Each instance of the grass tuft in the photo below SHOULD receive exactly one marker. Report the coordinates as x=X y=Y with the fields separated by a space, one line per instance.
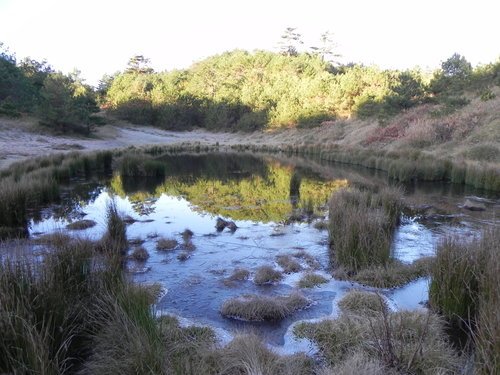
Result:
x=401 y=342
x=140 y=254
x=361 y=227
x=263 y=308
x=288 y=264
x=310 y=280
x=166 y=244
x=266 y=275
x=363 y=303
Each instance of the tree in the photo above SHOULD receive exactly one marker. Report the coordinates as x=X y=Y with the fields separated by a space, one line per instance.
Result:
x=139 y=64
x=453 y=77
x=326 y=49
x=456 y=67
x=289 y=42
x=66 y=104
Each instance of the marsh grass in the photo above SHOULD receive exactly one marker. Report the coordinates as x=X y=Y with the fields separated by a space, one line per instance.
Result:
x=239 y=274
x=391 y=275
x=361 y=227
x=37 y=182
x=139 y=254
x=266 y=275
x=310 y=280
x=137 y=164
x=464 y=288
x=115 y=237
x=246 y=354
x=288 y=264
x=263 y=308
x=401 y=342
x=166 y=244
x=363 y=303
x=310 y=260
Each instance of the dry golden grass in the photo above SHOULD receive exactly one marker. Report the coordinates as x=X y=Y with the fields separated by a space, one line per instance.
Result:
x=310 y=280
x=288 y=264
x=266 y=275
x=139 y=254
x=239 y=274
x=402 y=342
x=166 y=244
x=263 y=308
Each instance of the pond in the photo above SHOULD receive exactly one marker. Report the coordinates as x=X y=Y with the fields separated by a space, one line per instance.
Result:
x=279 y=205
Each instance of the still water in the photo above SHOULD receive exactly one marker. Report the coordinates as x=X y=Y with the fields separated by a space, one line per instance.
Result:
x=259 y=193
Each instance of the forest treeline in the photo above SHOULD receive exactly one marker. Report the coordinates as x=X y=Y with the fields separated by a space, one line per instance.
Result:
x=62 y=102
x=239 y=91
x=246 y=91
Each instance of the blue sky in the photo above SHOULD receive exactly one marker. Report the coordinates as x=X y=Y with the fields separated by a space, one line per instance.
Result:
x=99 y=36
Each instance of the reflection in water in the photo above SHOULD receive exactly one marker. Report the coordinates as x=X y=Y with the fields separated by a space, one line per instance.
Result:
x=237 y=187
x=259 y=194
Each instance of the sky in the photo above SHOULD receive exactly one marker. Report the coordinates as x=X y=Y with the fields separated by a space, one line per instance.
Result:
x=99 y=36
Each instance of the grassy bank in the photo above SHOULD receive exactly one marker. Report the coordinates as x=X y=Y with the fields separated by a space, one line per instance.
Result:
x=464 y=288
x=368 y=339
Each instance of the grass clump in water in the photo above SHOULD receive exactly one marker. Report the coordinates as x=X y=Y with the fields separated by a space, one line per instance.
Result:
x=140 y=254
x=363 y=303
x=288 y=264
x=263 y=308
x=311 y=261
x=391 y=275
x=266 y=275
x=115 y=238
x=361 y=227
x=239 y=274
x=310 y=280
x=166 y=244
